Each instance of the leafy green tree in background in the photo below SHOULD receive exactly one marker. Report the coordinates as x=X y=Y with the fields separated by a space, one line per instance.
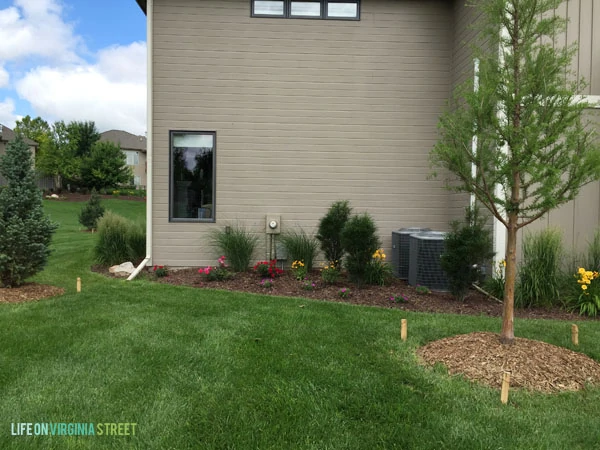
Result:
x=105 y=166
x=531 y=138
x=25 y=231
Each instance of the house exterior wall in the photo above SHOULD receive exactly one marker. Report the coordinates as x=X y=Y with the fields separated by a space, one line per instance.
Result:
x=306 y=112
x=579 y=219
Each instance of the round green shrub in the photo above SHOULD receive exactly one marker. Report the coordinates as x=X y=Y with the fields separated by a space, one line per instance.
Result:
x=359 y=240
x=330 y=229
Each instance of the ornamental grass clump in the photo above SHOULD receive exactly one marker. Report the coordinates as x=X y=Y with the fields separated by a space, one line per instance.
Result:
x=119 y=240
x=237 y=244
x=540 y=274
x=300 y=247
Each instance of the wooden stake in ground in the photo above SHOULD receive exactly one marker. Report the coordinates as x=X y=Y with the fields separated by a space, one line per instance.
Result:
x=78 y=284
x=575 y=334
x=505 y=387
x=403 y=329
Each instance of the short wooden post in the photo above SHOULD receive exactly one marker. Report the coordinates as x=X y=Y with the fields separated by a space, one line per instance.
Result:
x=505 y=387
x=78 y=284
x=575 y=334
x=403 y=329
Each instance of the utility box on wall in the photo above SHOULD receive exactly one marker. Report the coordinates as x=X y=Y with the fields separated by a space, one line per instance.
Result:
x=273 y=224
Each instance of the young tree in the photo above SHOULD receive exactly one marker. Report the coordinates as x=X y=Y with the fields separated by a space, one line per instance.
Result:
x=531 y=138
x=105 y=166
x=25 y=231
x=91 y=212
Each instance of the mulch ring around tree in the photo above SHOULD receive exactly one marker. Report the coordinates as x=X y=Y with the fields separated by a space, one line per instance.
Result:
x=29 y=292
x=534 y=365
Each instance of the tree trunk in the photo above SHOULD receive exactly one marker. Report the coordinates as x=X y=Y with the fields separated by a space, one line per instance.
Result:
x=507 y=335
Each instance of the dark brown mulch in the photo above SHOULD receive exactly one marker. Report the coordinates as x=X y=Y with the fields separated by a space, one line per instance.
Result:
x=29 y=292
x=380 y=296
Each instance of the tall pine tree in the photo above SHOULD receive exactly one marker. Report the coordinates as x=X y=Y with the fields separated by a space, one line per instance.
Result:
x=25 y=231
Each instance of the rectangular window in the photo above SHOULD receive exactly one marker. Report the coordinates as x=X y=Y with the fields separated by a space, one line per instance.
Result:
x=133 y=158
x=305 y=9
x=268 y=8
x=310 y=9
x=342 y=10
x=192 y=174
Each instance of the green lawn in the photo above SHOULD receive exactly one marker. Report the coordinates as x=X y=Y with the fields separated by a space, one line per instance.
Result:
x=208 y=369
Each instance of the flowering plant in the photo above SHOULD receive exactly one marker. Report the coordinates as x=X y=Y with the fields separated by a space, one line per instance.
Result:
x=216 y=273
x=422 y=289
x=267 y=283
x=377 y=271
x=309 y=285
x=330 y=272
x=589 y=296
x=267 y=269
x=344 y=293
x=161 y=271
x=399 y=298
x=299 y=270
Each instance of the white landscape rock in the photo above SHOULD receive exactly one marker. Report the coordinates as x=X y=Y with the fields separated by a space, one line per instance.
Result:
x=122 y=270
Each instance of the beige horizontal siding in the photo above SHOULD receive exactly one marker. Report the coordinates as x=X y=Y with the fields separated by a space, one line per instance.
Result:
x=306 y=112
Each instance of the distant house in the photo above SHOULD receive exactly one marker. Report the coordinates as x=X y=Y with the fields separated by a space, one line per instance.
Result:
x=6 y=136
x=276 y=109
x=134 y=148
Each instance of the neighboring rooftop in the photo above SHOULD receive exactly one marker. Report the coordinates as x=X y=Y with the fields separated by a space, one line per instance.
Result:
x=7 y=135
x=126 y=141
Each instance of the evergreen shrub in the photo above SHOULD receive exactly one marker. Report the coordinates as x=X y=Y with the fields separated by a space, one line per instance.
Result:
x=25 y=231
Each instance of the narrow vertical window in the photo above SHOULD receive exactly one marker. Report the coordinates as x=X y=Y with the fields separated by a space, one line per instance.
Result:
x=192 y=173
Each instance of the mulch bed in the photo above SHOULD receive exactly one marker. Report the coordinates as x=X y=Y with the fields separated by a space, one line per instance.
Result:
x=380 y=296
x=534 y=365
x=29 y=292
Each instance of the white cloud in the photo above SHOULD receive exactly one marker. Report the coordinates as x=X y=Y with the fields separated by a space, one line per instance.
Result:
x=7 y=113
x=112 y=93
x=4 y=77
x=36 y=28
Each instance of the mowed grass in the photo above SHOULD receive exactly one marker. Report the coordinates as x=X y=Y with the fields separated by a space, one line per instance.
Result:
x=201 y=369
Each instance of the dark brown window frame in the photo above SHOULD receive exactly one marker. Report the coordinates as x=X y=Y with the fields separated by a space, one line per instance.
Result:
x=287 y=10
x=172 y=217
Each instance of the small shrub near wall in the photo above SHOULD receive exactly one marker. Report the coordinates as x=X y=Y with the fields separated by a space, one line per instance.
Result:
x=330 y=229
x=468 y=248
x=360 y=242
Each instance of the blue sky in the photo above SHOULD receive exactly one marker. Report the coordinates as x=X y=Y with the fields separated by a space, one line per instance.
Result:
x=73 y=60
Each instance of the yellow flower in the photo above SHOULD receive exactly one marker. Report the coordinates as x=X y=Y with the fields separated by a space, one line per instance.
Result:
x=584 y=287
x=581 y=270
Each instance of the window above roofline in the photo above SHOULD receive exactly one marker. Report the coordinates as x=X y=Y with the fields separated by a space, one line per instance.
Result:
x=306 y=9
